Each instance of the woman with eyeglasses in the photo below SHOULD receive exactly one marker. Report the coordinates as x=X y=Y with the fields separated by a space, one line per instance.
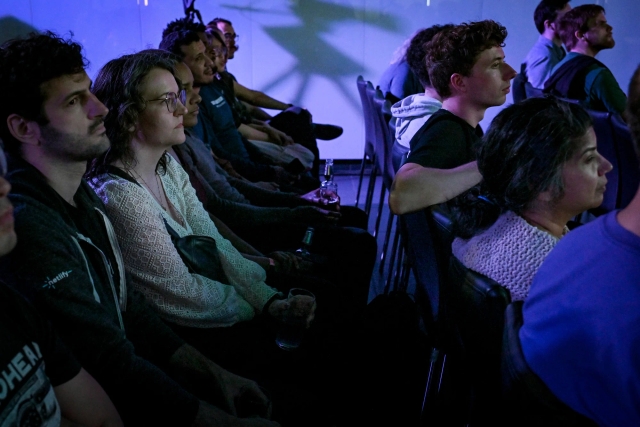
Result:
x=147 y=194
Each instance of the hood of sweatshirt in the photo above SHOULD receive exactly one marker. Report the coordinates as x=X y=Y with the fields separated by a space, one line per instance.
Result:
x=411 y=113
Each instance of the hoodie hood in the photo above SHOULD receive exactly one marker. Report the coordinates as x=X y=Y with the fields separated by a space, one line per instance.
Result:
x=411 y=113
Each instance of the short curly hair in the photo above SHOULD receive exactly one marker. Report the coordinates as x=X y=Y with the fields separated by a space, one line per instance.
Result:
x=183 y=24
x=172 y=42
x=456 y=50
x=416 y=52
x=25 y=65
x=577 y=19
x=547 y=10
x=117 y=86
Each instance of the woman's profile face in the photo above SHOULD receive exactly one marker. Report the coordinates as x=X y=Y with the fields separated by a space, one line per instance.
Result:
x=583 y=176
x=157 y=124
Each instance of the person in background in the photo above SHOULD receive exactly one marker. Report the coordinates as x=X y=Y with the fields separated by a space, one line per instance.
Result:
x=398 y=81
x=547 y=51
x=585 y=32
x=467 y=69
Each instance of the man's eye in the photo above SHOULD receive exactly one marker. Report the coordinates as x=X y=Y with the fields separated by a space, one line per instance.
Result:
x=73 y=101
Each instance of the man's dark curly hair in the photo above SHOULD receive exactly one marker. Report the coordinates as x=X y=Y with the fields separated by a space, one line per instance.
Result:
x=580 y=19
x=521 y=155
x=117 y=86
x=183 y=24
x=27 y=63
x=456 y=51
x=547 y=10
x=172 y=42
x=214 y=22
x=416 y=52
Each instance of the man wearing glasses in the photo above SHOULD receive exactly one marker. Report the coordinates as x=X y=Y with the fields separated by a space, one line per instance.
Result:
x=67 y=260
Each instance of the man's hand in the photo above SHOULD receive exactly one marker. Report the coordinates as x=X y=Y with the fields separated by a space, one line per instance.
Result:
x=282 y=176
x=289 y=263
x=315 y=215
x=296 y=309
x=326 y=199
x=210 y=416
x=271 y=186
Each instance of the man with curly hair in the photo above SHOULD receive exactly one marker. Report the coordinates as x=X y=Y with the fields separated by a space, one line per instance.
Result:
x=467 y=69
x=68 y=262
x=585 y=32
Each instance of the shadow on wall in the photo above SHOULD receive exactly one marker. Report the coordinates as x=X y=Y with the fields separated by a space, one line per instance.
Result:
x=315 y=57
x=11 y=27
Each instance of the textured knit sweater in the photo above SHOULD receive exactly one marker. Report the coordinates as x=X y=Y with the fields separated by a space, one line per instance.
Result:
x=155 y=265
x=509 y=252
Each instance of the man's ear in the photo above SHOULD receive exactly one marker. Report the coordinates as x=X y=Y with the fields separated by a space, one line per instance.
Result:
x=578 y=35
x=457 y=82
x=25 y=131
x=549 y=24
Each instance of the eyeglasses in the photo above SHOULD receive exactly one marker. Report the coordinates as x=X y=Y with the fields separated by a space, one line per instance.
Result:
x=231 y=36
x=171 y=99
x=220 y=51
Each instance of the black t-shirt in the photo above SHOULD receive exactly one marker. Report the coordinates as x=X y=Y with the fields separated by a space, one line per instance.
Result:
x=32 y=361
x=445 y=141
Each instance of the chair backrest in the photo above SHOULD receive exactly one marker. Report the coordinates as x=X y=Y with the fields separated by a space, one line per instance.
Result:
x=532 y=92
x=517 y=86
x=367 y=113
x=607 y=147
x=526 y=399
x=383 y=137
x=629 y=168
x=475 y=309
x=428 y=238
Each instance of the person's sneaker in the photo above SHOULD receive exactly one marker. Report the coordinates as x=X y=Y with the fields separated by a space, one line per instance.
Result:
x=326 y=132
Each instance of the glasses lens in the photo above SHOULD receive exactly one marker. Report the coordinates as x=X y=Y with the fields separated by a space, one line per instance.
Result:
x=182 y=96
x=172 y=101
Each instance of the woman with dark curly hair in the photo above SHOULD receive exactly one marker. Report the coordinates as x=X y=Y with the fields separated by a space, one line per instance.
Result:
x=540 y=168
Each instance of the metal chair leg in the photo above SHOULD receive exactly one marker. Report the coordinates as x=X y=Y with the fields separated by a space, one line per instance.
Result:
x=364 y=160
x=385 y=245
x=383 y=193
x=371 y=187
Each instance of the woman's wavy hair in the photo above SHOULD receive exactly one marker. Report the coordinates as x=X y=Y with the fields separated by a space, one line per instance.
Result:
x=520 y=157
x=456 y=50
x=117 y=85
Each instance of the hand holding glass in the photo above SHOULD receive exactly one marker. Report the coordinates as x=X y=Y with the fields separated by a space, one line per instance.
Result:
x=296 y=318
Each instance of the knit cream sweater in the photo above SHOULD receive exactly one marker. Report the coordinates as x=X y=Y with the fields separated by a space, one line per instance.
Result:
x=509 y=252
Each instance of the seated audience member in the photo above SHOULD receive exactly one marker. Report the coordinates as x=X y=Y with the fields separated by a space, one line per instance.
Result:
x=43 y=384
x=414 y=110
x=580 y=332
x=148 y=196
x=216 y=125
x=53 y=127
x=399 y=81
x=467 y=69
x=540 y=168
x=294 y=121
x=349 y=249
x=585 y=32
x=548 y=51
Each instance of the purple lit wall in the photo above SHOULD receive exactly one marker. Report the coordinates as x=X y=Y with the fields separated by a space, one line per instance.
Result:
x=307 y=52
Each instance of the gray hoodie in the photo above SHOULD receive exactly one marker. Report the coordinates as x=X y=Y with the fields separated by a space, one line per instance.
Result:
x=411 y=113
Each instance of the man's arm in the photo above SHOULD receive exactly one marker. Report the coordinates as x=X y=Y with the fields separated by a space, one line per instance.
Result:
x=83 y=402
x=416 y=187
x=606 y=88
x=257 y=98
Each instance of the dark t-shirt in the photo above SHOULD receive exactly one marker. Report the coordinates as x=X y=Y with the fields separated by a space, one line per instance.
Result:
x=32 y=362
x=445 y=141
